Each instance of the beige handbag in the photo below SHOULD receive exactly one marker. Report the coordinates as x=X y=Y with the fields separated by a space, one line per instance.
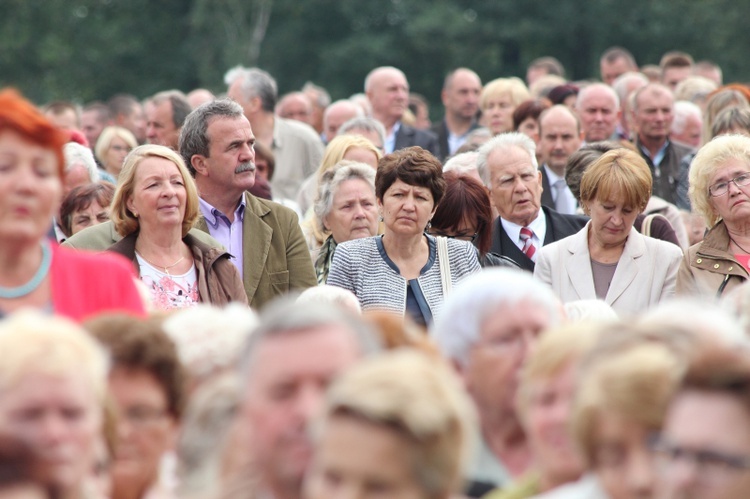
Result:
x=445 y=264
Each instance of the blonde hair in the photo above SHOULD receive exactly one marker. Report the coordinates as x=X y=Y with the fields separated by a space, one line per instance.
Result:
x=420 y=398
x=632 y=373
x=110 y=133
x=124 y=220
x=35 y=343
x=709 y=158
x=555 y=350
x=512 y=86
x=617 y=174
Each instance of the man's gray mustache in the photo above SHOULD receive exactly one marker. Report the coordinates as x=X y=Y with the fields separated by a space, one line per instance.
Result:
x=245 y=167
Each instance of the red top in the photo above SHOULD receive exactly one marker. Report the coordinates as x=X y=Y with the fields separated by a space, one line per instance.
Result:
x=85 y=284
x=743 y=260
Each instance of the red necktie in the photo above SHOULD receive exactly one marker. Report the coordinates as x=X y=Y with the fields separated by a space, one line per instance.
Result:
x=528 y=247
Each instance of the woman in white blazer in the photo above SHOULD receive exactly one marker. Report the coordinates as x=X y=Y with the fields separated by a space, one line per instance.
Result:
x=608 y=259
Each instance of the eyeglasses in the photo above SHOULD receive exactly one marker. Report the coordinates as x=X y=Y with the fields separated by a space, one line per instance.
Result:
x=461 y=236
x=721 y=188
x=141 y=416
x=709 y=464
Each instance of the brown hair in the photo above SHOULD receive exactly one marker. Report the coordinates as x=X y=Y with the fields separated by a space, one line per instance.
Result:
x=618 y=173
x=531 y=108
x=465 y=198
x=142 y=345
x=81 y=198
x=414 y=166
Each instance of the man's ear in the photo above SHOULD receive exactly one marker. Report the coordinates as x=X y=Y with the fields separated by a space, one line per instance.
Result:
x=198 y=162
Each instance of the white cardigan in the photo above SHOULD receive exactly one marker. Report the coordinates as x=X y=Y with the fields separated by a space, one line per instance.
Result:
x=646 y=272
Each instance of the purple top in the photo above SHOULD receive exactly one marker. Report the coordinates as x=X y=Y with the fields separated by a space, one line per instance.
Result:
x=229 y=234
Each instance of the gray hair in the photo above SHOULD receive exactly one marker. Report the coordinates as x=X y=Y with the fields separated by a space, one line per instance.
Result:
x=322 y=97
x=206 y=432
x=331 y=180
x=463 y=163
x=457 y=329
x=181 y=108
x=76 y=154
x=284 y=316
x=365 y=124
x=255 y=83
x=504 y=141
x=371 y=74
x=682 y=111
x=194 y=137
x=343 y=103
x=621 y=84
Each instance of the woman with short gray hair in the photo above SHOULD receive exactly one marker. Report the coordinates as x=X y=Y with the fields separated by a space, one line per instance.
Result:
x=346 y=208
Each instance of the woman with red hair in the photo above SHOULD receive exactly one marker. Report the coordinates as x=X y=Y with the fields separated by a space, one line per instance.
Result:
x=34 y=271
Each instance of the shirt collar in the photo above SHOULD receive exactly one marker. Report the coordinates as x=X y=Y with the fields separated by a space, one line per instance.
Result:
x=212 y=215
x=538 y=226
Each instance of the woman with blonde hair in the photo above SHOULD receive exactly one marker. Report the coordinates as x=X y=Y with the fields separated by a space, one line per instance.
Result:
x=720 y=192
x=608 y=259
x=155 y=205
x=112 y=146
x=350 y=147
x=53 y=380
x=411 y=414
x=498 y=100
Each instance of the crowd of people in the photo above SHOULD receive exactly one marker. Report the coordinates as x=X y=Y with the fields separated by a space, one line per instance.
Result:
x=542 y=294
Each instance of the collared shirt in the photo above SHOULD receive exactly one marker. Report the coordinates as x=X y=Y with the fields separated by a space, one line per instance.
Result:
x=657 y=158
x=571 y=201
x=229 y=234
x=538 y=227
x=456 y=141
x=390 y=140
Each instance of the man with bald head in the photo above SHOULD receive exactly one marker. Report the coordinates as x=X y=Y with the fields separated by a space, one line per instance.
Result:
x=598 y=108
x=460 y=97
x=295 y=106
x=337 y=114
x=559 y=137
x=653 y=112
x=388 y=92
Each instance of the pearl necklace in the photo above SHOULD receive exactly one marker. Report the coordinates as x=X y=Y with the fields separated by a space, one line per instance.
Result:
x=36 y=279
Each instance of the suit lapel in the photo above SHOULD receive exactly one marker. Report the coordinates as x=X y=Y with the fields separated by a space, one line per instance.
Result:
x=403 y=137
x=627 y=267
x=503 y=245
x=578 y=265
x=546 y=189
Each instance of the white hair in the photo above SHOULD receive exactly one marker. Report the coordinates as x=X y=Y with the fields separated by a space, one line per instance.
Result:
x=589 y=310
x=464 y=163
x=331 y=295
x=703 y=317
x=76 y=154
x=458 y=327
x=504 y=141
x=208 y=338
x=682 y=111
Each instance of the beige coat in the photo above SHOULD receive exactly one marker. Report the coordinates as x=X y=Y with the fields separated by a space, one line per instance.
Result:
x=646 y=272
x=709 y=267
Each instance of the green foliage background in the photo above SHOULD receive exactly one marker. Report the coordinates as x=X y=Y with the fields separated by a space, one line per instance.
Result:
x=91 y=49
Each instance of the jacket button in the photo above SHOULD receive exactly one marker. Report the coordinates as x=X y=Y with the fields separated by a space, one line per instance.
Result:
x=730 y=269
x=716 y=266
x=699 y=260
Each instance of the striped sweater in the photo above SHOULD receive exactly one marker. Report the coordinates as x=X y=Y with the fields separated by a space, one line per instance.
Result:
x=360 y=267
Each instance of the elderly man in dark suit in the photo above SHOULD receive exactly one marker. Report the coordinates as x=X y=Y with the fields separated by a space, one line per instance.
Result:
x=515 y=182
x=388 y=92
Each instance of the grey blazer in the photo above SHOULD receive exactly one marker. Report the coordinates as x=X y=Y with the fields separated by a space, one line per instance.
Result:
x=645 y=275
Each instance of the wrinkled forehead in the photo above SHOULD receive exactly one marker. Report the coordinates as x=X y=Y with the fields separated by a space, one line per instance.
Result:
x=511 y=160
